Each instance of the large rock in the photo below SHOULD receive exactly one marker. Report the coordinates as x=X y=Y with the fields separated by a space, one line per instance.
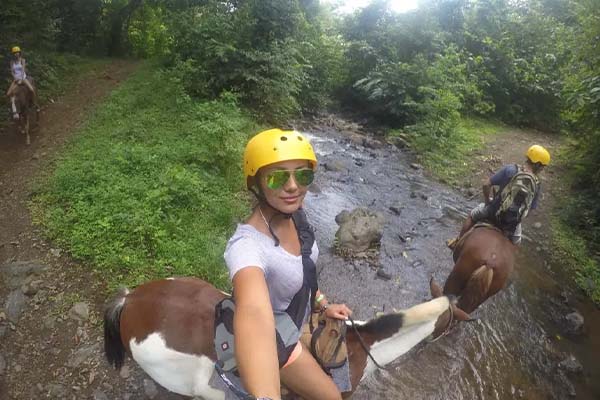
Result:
x=574 y=323
x=15 y=274
x=359 y=229
x=15 y=304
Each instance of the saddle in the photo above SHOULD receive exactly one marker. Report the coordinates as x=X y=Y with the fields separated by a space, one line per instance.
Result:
x=456 y=245
x=326 y=339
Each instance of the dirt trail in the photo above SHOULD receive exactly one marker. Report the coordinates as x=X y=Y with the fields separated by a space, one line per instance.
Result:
x=510 y=147
x=50 y=326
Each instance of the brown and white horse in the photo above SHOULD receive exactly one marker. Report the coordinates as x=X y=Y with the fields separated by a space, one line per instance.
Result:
x=483 y=261
x=21 y=102
x=167 y=327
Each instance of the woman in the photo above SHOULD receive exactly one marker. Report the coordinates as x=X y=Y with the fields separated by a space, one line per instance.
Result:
x=19 y=73
x=266 y=268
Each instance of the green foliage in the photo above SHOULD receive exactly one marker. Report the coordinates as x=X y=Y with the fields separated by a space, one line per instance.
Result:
x=151 y=185
x=452 y=158
x=148 y=34
x=572 y=251
x=266 y=51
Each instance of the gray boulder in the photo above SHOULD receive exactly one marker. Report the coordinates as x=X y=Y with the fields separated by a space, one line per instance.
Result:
x=359 y=229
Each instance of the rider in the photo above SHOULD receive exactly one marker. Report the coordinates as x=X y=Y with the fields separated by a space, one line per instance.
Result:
x=537 y=158
x=265 y=264
x=18 y=71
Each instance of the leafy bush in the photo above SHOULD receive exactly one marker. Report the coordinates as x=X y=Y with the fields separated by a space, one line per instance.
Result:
x=151 y=185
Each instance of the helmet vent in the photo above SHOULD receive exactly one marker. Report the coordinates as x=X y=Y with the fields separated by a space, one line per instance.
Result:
x=283 y=138
x=299 y=138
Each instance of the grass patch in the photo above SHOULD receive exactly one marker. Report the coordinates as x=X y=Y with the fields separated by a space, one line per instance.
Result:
x=572 y=234
x=151 y=186
x=572 y=252
x=450 y=159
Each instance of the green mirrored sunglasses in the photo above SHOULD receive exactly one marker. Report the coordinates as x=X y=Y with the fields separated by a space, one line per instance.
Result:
x=303 y=177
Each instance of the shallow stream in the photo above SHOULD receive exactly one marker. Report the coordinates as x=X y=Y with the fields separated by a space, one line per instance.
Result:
x=512 y=351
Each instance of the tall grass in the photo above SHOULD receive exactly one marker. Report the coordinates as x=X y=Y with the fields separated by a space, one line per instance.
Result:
x=152 y=185
x=450 y=159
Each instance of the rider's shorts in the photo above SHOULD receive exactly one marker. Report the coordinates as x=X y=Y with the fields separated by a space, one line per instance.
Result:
x=482 y=212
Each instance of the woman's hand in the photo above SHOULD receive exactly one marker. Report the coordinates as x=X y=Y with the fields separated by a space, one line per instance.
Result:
x=338 y=311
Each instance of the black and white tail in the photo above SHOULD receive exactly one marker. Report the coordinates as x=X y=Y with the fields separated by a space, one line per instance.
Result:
x=113 y=345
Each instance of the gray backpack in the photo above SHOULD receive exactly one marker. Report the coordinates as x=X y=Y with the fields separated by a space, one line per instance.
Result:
x=515 y=199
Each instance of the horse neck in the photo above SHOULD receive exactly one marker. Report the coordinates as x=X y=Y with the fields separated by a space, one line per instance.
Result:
x=384 y=340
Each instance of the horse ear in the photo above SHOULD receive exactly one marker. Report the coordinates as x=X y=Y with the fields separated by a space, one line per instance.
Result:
x=460 y=314
x=435 y=289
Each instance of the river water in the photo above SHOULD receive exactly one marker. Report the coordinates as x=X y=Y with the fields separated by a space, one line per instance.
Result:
x=514 y=348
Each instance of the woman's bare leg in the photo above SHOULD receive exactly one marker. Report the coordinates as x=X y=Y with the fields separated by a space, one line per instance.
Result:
x=306 y=378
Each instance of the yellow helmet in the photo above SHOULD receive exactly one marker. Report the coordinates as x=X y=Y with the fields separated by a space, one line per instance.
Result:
x=275 y=145
x=538 y=154
x=15 y=49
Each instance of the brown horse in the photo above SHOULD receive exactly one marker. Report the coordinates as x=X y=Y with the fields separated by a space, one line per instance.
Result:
x=167 y=327
x=21 y=105
x=484 y=259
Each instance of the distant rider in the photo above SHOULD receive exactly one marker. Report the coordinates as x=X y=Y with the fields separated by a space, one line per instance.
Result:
x=18 y=71
x=519 y=190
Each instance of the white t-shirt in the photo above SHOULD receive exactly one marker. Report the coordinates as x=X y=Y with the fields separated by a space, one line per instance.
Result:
x=283 y=271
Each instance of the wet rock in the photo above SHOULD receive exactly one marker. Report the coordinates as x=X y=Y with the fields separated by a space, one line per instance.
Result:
x=2 y=365
x=359 y=229
x=571 y=365
x=416 y=166
x=357 y=140
x=396 y=209
x=80 y=312
x=372 y=143
x=314 y=188
x=399 y=142
x=537 y=225
x=383 y=275
x=15 y=304
x=150 y=389
x=334 y=166
x=574 y=323
x=81 y=355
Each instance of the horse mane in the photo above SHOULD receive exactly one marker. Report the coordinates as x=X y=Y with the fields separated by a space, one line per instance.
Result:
x=387 y=324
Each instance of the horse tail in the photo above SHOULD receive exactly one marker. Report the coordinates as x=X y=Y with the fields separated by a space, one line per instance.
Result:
x=477 y=289
x=113 y=345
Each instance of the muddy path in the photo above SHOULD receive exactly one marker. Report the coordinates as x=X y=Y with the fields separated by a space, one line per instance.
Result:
x=51 y=332
x=50 y=328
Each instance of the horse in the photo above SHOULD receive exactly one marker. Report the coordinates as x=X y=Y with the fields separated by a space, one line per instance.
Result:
x=483 y=261
x=21 y=103
x=167 y=327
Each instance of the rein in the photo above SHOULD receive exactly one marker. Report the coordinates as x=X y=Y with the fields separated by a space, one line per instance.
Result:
x=364 y=346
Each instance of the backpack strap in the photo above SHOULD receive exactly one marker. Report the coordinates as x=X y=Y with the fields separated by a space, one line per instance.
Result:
x=306 y=235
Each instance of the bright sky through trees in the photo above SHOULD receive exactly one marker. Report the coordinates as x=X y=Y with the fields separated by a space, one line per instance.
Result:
x=346 y=6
